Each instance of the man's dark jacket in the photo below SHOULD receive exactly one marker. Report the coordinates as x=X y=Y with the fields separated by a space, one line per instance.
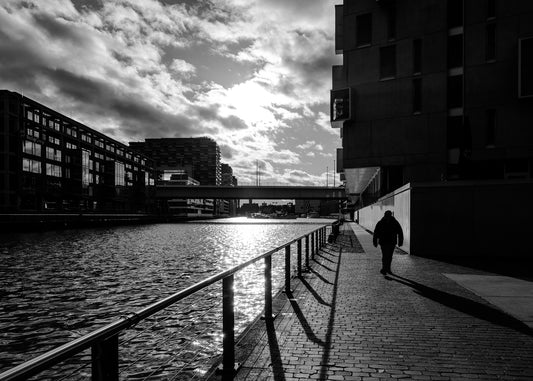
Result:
x=388 y=232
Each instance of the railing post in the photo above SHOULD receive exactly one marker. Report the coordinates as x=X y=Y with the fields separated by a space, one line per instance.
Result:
x=228 y=320
x=104 y=357
x=287 y=269
x=299 y=248
x=307 y=252
x=268 y=287
x=313 y=245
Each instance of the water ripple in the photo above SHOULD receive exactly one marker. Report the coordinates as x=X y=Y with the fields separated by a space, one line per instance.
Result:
x=56 y=286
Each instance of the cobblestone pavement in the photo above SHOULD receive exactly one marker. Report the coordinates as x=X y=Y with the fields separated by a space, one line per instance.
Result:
x=345 y=321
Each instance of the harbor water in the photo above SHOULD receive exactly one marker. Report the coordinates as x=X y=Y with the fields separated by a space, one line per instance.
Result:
x=56 y=286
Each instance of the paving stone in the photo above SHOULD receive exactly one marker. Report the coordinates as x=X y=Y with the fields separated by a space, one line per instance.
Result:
x=345 y=321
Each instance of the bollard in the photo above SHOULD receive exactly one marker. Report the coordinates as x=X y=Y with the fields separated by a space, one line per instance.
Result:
x=104 y=357
x=287 y=269
x=268 y=287
x=299 y=257
x=228 y=338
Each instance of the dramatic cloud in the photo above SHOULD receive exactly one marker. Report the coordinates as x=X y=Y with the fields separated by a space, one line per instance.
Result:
x=254 y=75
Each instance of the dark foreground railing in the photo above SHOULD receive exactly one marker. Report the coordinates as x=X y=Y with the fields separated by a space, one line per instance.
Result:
x=104 y=342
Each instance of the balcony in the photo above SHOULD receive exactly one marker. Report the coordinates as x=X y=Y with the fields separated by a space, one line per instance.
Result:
x=340 y=107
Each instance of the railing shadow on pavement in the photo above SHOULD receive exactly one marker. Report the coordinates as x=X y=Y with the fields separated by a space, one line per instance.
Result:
x=327 y=342
x=275 y=354
x=318 y=275
x=313 y=292
x=465 y=305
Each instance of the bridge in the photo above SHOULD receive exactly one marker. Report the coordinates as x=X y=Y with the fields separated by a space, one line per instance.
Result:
x=168 y=191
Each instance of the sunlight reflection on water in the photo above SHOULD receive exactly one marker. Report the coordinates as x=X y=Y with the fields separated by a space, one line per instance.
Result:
x=56 y=286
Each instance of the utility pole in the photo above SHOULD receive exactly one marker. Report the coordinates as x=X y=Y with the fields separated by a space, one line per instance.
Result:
x=334 y=173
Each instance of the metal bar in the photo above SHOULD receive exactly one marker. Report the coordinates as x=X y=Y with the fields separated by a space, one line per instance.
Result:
x=228 y=320
x=268 y=287
x=104 y=357
x=299 y=257
x=307 y=251
x=287 y=269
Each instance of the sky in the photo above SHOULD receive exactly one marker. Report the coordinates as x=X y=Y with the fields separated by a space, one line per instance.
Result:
x=254 y=75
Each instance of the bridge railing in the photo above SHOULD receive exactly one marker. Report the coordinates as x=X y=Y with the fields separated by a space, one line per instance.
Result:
x=104 y=342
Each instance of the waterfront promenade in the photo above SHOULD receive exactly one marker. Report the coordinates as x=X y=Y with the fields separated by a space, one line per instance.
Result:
x=345 y=321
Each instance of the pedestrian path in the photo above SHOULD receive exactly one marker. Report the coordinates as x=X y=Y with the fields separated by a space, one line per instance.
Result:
x=345 y=321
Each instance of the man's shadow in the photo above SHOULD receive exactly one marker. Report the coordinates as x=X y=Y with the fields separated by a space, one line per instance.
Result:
x=465 y=305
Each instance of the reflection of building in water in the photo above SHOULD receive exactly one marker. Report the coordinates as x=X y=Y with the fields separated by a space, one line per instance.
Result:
x=52 y=162
x=186 y=207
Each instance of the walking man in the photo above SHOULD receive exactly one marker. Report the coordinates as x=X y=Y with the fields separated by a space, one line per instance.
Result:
x=387 y=233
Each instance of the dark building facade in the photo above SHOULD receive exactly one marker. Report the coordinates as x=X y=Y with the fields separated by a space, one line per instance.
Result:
x=198 y=157
x=229 y=207
x=50 y=162
x=432 y=90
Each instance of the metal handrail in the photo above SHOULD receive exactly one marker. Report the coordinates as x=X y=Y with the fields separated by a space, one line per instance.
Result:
x=110 y=331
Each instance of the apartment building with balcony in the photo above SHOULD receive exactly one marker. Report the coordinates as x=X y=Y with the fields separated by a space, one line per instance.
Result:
x=50 y=162
x=435 y=92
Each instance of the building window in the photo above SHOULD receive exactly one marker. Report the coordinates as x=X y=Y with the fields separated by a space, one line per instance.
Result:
x=417 y=56
x=490 y=42
x=364 y=29
x=67 y=173
x=86 y=138
x=29 y=115
x=53 y=170
x=110 y=148
x=71 y=145
x=71 y=132
x=455 y=13
x=387 y=62
x=491 y=127
x=455 y=51
x=391 y=22
x=32 y=133
x=119 y=174
x=31 y=148
x=53 y=154
x=54 y=140
x=99 y=143
x=491 y=9
x=30 y=165
x=417 y=95
x=339 y=38
x=525 y=73
x=455 y=91
x=86 y=167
